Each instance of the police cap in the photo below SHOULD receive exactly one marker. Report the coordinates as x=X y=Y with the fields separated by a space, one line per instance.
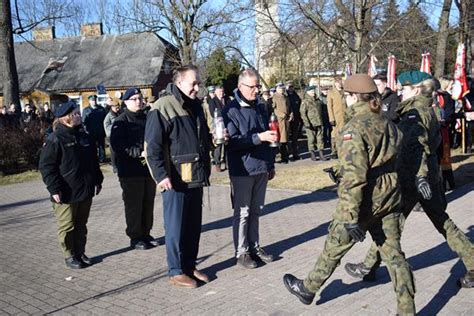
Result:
x=64 y=109
x=130 y=92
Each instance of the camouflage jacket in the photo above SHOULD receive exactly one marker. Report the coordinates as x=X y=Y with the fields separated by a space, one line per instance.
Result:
x=421 y=140
x=367 y=150
x=312 y=111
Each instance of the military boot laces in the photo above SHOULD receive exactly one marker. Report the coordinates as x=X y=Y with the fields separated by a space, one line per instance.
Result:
x=296 y=287
x=357 y=270
x=468 y=280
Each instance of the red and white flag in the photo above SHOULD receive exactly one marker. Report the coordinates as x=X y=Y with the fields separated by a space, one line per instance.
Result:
x=392 y=73
x=460 y=87
x=426 y=63
x=372 y=69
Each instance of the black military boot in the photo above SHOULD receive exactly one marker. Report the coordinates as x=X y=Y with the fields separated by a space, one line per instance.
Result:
x=360 y=271
x=468 y=280
x=313 y=155
x=321 y=155
x=85 y=259
x=296 y=287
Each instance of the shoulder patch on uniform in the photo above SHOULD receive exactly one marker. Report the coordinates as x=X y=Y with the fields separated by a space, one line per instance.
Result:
x=347 y=136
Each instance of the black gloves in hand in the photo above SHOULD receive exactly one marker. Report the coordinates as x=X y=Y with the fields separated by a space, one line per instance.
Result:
x=332 y=175
x=134 y=152
x=356 y=233
x=423 y=187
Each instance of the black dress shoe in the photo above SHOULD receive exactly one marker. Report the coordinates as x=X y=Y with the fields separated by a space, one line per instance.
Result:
x=260 y=254
x=140 y=245
x=153 y=241
x=296 y=287
x=73 y=263
x=246 y=261
x=86 y=259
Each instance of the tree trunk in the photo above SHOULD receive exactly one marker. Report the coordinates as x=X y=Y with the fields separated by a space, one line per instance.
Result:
x=7 y=56
x=442 y=39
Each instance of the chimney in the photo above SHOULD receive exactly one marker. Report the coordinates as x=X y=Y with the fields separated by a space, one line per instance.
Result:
x=44 y=33
x=91 y=29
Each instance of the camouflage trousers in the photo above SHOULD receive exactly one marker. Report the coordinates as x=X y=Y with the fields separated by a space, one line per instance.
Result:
x=435 y=209
x=385 y=232
x=315 y=138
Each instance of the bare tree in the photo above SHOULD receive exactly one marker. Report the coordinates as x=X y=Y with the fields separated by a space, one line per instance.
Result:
x=185 y=21
x=11 y=89
x=442 y=38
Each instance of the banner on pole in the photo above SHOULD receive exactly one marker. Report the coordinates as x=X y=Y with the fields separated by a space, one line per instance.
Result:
x=426 y=63
x=460 y=87
x=391 y=73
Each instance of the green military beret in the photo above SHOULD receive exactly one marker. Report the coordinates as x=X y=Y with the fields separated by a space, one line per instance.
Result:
x=310 y=88
x=413 y=77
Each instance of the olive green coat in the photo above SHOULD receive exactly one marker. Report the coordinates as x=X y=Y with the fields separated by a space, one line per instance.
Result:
x=311 y=111
x=367 y=149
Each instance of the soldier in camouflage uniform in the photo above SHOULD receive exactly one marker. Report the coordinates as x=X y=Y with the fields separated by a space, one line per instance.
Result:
x=369 y=197
x=312 y=116
x=419 y=174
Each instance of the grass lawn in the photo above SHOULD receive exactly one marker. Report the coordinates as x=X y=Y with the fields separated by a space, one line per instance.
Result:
x=307 y=175
x=304 y=175
x=31 y=175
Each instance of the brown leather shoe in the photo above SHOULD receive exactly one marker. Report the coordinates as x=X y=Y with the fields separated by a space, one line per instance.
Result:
x=183 y=280
x=200 y=276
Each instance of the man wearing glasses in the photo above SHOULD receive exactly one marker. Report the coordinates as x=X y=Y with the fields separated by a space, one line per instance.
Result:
x=251 y=166
x=139 y=189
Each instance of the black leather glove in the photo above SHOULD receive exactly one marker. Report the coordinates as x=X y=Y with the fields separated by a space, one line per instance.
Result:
x=333 y=123
x=332 y=175
x=133 y=151
x=423 y=187
x=356 y=233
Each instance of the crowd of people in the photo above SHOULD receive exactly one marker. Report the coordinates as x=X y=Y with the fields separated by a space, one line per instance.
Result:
x=387 y=150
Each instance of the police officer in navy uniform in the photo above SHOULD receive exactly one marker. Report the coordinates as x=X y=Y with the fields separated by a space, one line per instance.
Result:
x=138 y=187
x=71 y=172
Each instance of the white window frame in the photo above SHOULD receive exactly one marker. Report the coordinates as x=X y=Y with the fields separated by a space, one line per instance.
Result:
x=77 y=99
x=101 y=98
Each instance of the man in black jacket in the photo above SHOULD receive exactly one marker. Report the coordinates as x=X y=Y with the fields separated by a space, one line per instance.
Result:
x=93 y=120
x=139 y=188
x=390 y=98
x=70 y=170
x=217 y=103
x=177 y=153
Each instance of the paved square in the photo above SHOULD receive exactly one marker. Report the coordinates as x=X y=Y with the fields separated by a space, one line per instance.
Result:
x=35 y=280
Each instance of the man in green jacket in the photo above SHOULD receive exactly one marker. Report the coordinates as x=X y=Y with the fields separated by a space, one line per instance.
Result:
x=312 y=115
x=419 y=174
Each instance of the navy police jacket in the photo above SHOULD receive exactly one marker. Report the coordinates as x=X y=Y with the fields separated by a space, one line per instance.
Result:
x=69 y=165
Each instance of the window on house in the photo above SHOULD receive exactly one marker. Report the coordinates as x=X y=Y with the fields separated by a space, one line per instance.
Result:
x=101 y=98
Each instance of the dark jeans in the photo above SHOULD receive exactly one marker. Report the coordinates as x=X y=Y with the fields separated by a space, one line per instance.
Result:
x=138 y=195
x=182 y=212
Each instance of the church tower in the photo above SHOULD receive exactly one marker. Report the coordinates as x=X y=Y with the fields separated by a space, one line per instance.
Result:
x=266 y=35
